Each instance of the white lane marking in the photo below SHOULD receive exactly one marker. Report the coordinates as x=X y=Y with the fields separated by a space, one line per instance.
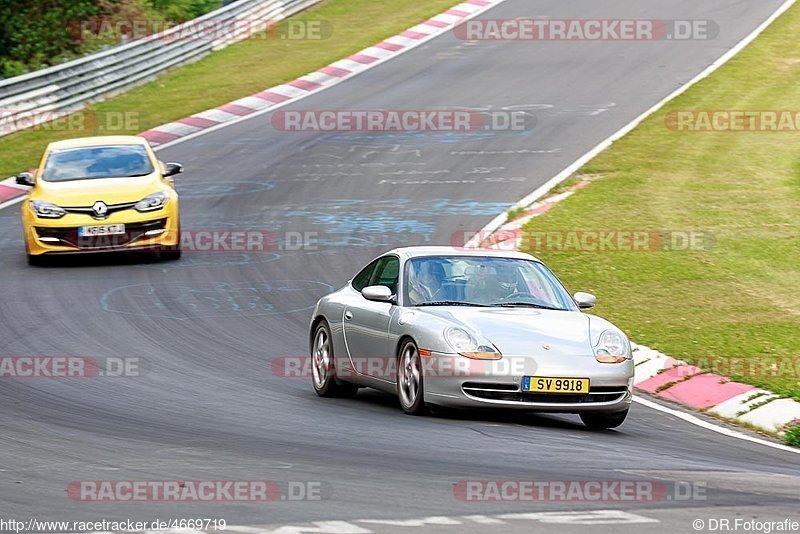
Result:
x=593 y=517
x=360 y=70
x=484 y=520
x=583 y=160
x=689 y=418
x=322 y=527
x=435 y=520
x=15 y=200
x=590 y=517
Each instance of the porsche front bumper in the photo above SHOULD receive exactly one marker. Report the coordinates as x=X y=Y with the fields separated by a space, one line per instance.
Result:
x=488 y=384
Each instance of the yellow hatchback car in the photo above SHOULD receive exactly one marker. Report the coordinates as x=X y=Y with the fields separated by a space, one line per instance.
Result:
x=101 y=194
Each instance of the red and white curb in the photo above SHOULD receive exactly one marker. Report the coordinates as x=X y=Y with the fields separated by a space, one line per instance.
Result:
x=11 y=192
x=302 y=87
x=323 y=78
x=665 y=377
x=680 y=382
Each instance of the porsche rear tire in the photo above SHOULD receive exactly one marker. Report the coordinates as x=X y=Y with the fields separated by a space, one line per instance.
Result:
x=323 y=366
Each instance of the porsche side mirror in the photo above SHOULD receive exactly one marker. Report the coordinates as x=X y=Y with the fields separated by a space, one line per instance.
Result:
x=377 y=294
x=172 y=169
x=25 y=178
x=585 y=301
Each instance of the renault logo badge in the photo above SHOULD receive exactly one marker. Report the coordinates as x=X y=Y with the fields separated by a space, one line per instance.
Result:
x=100 y=209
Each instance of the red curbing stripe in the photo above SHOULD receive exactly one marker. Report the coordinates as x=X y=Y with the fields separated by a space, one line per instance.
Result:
x=157 y=137
x=236 y=109
x=673 y=374
x=198 y=122
x=456 y=13
x=437 y=23
x=363 y=58
x=335 y=71
x=7 y=193
x=482 y=3
x=389 y=46
x=414 y=35
x=272 y=96
x=538 y=210
x=704 y=391
x=306 y=85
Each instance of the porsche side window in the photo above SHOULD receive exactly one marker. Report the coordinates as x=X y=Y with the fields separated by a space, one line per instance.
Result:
x=387 y=273
x=361 y=280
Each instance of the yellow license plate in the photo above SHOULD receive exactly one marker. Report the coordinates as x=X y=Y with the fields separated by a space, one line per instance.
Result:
x=547 y=384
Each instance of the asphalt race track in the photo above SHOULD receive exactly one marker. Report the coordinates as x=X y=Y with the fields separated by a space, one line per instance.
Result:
x=209 y=406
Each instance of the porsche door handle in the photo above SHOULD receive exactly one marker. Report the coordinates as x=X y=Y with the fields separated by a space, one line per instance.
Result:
x=348 y=315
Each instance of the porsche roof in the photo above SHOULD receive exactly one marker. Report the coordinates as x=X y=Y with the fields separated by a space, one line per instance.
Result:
x=415 y=252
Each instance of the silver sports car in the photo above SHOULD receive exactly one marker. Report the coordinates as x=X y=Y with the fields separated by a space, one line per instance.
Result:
x=470 y=329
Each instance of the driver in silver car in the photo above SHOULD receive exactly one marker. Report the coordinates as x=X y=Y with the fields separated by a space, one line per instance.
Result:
x=492 y=287
x=426 y=282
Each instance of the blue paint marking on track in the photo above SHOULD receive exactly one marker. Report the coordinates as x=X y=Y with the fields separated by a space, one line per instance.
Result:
x=183 y=301
x=214 y=189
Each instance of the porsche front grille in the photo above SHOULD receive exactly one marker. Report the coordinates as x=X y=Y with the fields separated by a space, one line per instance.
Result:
x=512 y=393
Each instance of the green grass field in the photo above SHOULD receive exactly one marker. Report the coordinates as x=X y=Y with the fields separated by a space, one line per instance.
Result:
x=735 y=299
x=237 y=71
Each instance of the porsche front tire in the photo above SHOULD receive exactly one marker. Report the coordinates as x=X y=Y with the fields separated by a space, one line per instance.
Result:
x=603 y=421
x=410 y=379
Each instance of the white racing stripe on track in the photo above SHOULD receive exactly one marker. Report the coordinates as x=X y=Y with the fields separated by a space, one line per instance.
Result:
x=365 y=526
x=13 y=201
x=689 y=418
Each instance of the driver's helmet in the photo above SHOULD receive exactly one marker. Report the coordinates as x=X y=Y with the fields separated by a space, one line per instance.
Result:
x=431 y=273
x=507 y=278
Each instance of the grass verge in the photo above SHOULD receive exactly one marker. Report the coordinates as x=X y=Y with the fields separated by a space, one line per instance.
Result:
x=729 y=301
x=237 y=71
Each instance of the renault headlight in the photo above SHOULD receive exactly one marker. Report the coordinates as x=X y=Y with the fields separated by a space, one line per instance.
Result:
x=613 y=347
x=466 y=345
x=46 y=210
x=153 y=202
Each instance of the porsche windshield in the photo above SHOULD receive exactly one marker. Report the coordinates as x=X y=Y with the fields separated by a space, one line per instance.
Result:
x=492 y=281
x=88 y=163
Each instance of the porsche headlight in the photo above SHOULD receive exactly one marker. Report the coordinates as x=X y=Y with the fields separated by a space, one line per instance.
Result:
x=153 y=202
x=466 y=345
x=613 y=347
x=46 y=209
